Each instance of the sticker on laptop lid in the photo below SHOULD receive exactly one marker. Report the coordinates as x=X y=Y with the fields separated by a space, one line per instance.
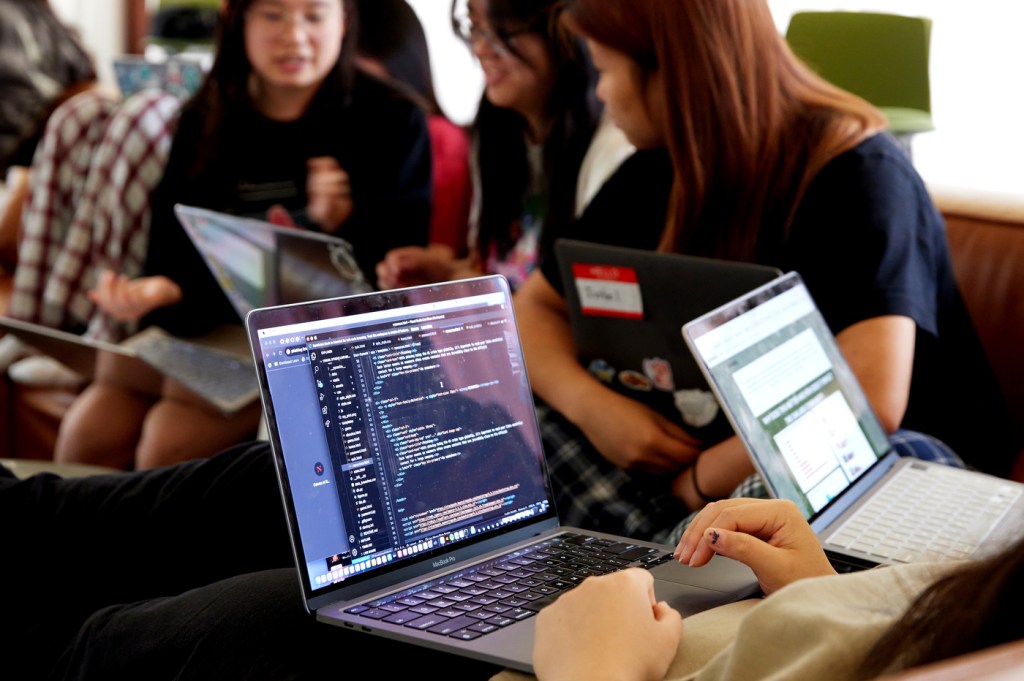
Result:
x=608 y=291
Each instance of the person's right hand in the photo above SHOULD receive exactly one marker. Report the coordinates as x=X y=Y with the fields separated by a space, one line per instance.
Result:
x=631 y=435
x=770 y=536
x=416 y=265
x=131 y=299
x=412 y=266
x=608 y=627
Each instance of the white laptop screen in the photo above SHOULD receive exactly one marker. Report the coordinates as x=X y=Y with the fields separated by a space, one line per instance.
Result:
x=790 y=394
x=405 y=426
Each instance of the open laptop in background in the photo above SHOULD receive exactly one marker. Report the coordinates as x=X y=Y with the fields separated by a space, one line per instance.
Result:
x=176 y=76
x=626 y=307
x=259 y=264
x=414 y=479
x=212 y=369
x=810 y=431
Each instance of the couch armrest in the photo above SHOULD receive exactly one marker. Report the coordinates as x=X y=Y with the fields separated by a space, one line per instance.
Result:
x=986 y=239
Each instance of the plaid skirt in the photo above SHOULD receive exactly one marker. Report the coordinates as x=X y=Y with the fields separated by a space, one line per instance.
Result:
x=592 y=493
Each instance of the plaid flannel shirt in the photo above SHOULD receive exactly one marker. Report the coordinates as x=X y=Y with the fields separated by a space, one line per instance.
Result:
x=93 y=173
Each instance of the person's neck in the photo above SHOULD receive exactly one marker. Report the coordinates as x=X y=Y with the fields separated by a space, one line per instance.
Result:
x=280 y=104
x=538 y=128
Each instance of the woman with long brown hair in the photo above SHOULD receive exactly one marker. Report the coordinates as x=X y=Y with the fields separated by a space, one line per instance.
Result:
x=770 y=164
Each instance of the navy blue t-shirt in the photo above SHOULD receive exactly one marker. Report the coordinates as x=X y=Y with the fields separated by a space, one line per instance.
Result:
x=868 y=241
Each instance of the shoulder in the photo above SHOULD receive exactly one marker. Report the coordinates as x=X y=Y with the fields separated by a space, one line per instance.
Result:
x=877 y=166
x=873 y=187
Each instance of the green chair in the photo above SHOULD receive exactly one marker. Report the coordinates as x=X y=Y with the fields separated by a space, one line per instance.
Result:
x=883 y=58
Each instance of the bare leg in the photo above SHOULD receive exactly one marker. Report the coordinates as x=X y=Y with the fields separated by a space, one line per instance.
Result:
x=102 y=426
x=10 y=217
x=179 y=427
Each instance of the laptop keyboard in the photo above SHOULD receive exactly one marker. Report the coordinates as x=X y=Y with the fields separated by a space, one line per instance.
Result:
x=490 y=596
x=216 y=375
x=907 y=520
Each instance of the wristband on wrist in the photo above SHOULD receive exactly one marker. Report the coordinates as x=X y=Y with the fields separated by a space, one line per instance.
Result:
x=696 y=486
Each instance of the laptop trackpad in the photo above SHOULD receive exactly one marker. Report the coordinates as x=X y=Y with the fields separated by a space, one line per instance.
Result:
x=694 y=589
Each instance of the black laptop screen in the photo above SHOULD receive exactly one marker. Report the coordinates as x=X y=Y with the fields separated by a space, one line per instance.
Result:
x=404 y=427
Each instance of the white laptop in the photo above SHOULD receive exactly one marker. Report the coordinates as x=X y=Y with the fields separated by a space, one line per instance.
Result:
x=790 y=395
x=212 y=367
x=414 y=478
x=259 y=264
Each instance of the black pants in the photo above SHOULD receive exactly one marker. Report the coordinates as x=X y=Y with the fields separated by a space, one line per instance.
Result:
x=183 y=572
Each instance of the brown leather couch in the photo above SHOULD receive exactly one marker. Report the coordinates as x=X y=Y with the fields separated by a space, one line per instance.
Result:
x=986 y=237
x=986 y=234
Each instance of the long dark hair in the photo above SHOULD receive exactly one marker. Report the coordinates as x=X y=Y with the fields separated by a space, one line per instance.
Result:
x=977 y=606
x=500 y=134
x=225 y=91
x=747 y=124
x=391 y=34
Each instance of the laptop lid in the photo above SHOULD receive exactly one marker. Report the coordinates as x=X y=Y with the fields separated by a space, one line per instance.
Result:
x=791 y=397
x=259 y=264
x=626 y=307
x=353 y=382
x=408 y=450
x=78 y=353
x=811 y=433
x=210 y=366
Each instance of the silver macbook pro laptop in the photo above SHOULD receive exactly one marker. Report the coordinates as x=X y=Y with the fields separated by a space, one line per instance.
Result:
x=414 y=478
x=215 y=370
x=259 y=264
x=625 y=308
x=807 y=425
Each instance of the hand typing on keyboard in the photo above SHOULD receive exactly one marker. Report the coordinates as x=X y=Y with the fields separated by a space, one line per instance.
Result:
x=638 y=635
x=768 y=535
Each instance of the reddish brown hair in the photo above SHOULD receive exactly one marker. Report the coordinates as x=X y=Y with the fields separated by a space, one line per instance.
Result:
x=748 y=125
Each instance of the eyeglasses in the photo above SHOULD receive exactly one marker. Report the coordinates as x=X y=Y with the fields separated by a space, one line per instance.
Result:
x=273 y=18
x=499 y=40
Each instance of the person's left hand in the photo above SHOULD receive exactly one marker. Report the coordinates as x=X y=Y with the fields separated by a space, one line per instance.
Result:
x=329 y=193
x=770 y=536
x=131 y=299
x=608 y=627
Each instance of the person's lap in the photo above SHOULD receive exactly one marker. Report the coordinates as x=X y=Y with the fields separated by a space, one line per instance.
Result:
x=180 y=572
x=76 y=545
x=252 y=627
x=594 y=494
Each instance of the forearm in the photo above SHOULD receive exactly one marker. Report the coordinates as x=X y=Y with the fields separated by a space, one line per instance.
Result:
x=719 y=470
x=555 y=374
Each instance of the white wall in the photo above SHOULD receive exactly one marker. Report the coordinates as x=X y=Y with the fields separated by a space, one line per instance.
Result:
x=977 y=91
x=102 y=26
x=457 y=76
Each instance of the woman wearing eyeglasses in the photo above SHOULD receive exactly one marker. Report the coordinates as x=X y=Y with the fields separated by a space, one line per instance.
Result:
x=283 y=129
x=532 y=129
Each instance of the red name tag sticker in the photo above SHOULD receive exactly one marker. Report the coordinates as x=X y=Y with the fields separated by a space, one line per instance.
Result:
x=608 y=291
